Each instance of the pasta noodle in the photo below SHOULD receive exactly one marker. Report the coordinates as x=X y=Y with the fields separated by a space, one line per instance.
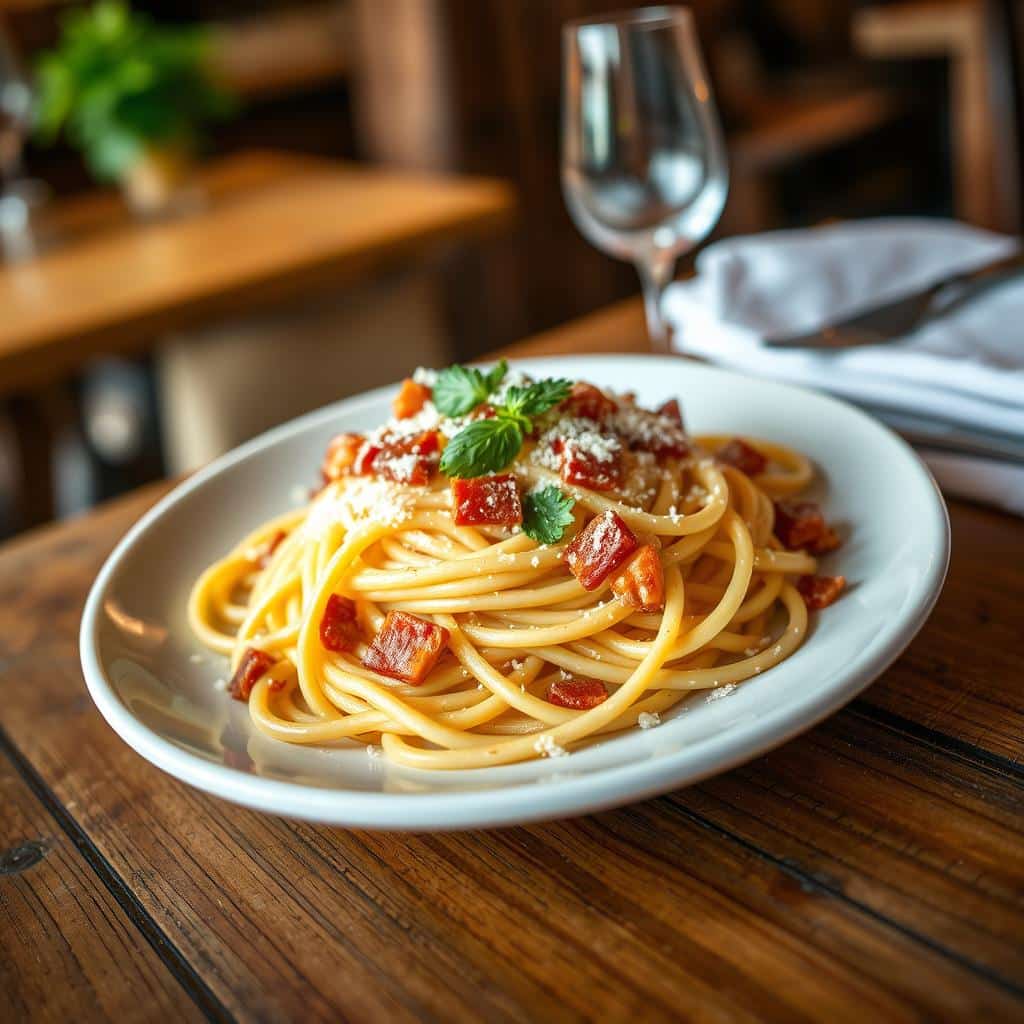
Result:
x=530 y=662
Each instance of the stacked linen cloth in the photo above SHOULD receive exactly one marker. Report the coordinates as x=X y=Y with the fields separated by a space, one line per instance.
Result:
x=954 y=385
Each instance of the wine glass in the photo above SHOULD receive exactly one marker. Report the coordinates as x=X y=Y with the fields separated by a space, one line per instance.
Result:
x=644 y=170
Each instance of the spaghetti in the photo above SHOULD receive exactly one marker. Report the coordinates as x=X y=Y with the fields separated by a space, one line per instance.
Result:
x=599 y=568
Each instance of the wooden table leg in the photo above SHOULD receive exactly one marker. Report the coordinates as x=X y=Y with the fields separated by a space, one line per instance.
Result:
x=34 y=435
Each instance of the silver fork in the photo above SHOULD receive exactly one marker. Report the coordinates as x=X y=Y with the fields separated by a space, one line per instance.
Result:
x=900 y=317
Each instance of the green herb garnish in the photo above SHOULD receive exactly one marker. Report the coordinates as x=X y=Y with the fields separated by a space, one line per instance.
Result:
x=487 y=446
x=536 y=398
x=460 y=389
x=546 y=514
x=484 y=446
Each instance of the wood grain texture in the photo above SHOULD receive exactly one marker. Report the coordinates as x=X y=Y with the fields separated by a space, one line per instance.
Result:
x=65 y=943
x=962 y=678
x=856 y=867
x=273 y=227
x=871 y=868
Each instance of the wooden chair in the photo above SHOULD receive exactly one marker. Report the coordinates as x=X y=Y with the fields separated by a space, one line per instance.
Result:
x=1005 y=32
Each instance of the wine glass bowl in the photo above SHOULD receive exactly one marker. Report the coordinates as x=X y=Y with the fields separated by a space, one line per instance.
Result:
x=644 y=170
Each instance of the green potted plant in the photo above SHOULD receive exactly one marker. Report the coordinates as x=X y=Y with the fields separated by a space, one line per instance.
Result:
x=132 y=95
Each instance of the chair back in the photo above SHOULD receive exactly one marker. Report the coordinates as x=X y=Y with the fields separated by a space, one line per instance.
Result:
x=1005 y=31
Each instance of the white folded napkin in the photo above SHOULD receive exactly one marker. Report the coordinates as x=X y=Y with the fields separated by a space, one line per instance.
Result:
x=966 y=368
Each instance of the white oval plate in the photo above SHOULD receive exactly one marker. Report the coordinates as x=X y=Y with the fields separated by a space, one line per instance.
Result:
x=156 y=685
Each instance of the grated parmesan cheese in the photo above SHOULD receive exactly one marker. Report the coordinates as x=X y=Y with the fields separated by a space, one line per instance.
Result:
x=546 y=746
x=648 y=719
x=720 y=692
x=581 y=437
x=362 y=499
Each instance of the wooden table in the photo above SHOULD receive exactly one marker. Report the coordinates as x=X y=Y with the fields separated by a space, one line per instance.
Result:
x=273 y=226
x=871 y=869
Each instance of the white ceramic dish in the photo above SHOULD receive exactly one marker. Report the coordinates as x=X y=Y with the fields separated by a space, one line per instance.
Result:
x=156 y=686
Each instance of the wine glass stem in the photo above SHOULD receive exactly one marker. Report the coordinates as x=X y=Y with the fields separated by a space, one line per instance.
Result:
x=655 y=275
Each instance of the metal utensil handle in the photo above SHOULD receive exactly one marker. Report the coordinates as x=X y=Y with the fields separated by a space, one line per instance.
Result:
x=1008 y=264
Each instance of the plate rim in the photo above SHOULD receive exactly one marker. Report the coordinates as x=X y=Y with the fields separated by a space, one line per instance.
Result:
x=520 y=803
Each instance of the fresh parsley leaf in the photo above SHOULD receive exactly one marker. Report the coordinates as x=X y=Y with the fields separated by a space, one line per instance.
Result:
x=546 y=514
x=484 y=446
x=496 y=376
x=536 y=398
x=460 y=389
x=487 y=446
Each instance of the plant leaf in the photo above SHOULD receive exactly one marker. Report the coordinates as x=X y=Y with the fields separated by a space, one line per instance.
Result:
x=537 y=397
x=546 y=514
x=460 y=389
x=496 y=376
x=484 y=446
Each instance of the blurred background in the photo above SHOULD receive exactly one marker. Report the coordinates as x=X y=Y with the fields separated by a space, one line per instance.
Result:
x=218 y=214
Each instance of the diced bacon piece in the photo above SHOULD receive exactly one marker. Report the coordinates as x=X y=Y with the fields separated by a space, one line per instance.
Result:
x=487 y=500
x=742 y=456
x=341 y=455
x=410 y=399
x=599 y=549
x=407 y=647
x=595 y=470
x=427 y=443
x=366 y=459
x=646 y=431
x=268 y=549
x=577 y=694
x=410 y=460
x=671 y=410
x=820 y=591
x=253 y=665
x=589 y=402
x=642 y=582
x=828 y=541
x=669 y=442
x=800 y=524
x=339 y=629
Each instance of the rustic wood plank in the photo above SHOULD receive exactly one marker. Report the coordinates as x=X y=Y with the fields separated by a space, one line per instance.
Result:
x=932 y=842
x=629 y=912
x=65 y=943
x=963 y=677
x=854 y=869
